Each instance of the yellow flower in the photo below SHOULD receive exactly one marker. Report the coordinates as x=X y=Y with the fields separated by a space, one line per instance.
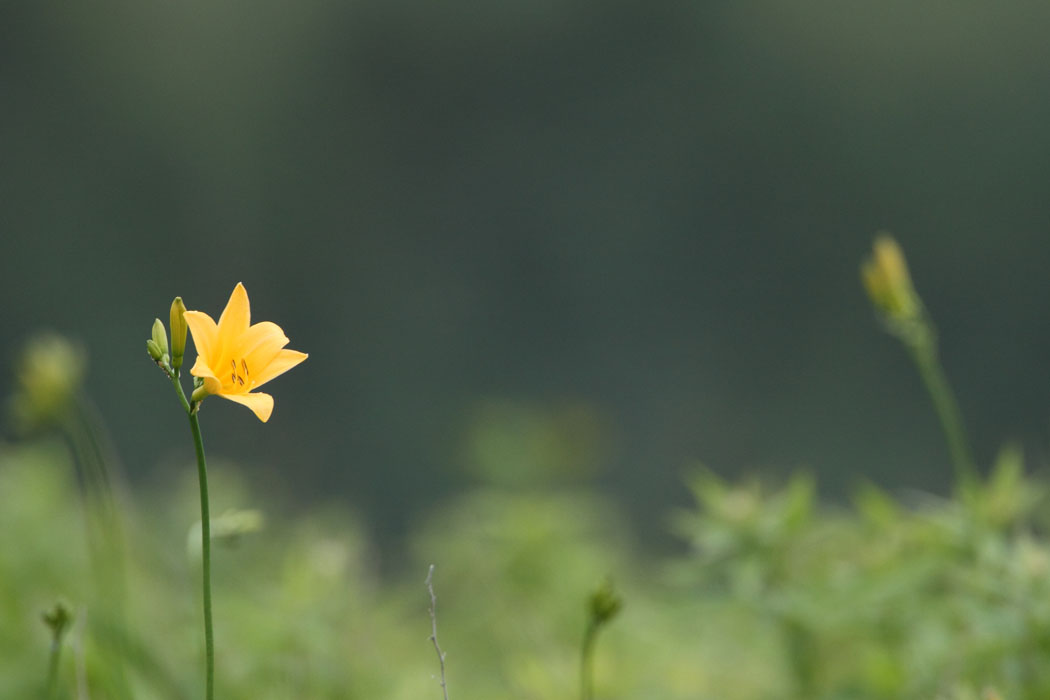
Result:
x=885 y=276
x=49 y=375
x=234 y=357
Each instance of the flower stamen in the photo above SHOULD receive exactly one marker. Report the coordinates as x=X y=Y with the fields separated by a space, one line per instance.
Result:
x=236 y=378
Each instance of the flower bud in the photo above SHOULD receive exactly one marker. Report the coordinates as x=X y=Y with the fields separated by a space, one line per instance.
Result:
x=178 y=332
x=160 y=336
x=604 y=603
x=154 y=350
x=58 y=620
x=886 y=279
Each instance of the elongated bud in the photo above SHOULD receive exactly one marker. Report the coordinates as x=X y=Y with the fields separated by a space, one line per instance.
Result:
x=178 y=332
x=160 y=336
x=886 y=279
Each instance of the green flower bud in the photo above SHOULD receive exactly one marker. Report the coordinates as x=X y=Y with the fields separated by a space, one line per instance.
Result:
x=604 y=604
x=154 y=350
x=160 y=336
x=886 y=279
x=178 y=332
x=58 y=619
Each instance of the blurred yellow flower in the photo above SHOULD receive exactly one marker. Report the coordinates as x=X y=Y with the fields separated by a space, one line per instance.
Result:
x=885 y=276
x=49 y=374
x=234 y=357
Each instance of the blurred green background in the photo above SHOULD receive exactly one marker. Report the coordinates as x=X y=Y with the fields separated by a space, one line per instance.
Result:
x=589 y=242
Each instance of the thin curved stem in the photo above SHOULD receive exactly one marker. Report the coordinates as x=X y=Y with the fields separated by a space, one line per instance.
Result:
x=202 y=477
x=948 y=413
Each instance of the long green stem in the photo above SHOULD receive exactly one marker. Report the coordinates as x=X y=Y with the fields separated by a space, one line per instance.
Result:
x=202 y=475
x=925 y=356
x=52 y=669
x=587 y=662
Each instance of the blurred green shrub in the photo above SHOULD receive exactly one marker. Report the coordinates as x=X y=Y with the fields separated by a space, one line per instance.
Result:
x=778 y=597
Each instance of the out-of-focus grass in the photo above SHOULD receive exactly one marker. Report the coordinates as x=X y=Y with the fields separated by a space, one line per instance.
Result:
x=779 y=596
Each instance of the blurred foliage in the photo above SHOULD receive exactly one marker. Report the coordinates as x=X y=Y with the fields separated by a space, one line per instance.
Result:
x=777 y=596
x=519 y=443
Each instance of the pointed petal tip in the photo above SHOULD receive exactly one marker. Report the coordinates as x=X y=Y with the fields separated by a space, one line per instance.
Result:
x=236 y=317
x=261 y=404
x=281 y=363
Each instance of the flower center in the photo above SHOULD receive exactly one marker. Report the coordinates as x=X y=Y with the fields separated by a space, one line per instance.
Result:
x=239 y=374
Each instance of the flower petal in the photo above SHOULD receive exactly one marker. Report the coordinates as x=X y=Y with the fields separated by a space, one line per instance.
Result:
x=261 y=344
x=201 y=369
x=235 y=319
x=260 y=403
x=205 y=334
x=281 y=363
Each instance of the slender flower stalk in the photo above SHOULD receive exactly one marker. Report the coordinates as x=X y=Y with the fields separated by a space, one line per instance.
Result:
x=58 y=620
x=202 y=479
x=233 y=357
x=587 y=661
x=947 y=408
x=888 y=284
x=602 y=606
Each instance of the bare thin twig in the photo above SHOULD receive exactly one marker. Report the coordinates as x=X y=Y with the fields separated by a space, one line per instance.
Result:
x=434 y=627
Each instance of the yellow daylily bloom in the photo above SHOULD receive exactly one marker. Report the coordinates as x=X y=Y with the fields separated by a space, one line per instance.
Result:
x=234 y=356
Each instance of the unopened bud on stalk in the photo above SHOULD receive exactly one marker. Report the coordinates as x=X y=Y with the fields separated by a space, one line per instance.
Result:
x=604 y=603
x=886 y=279
x=178 y=332
x=58 y=619
x=160 y=336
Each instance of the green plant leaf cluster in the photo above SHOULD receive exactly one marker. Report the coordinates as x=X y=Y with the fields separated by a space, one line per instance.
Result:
x=776 y=595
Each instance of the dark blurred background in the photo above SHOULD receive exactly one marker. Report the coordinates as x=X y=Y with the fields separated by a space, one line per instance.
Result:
x=539 y=243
